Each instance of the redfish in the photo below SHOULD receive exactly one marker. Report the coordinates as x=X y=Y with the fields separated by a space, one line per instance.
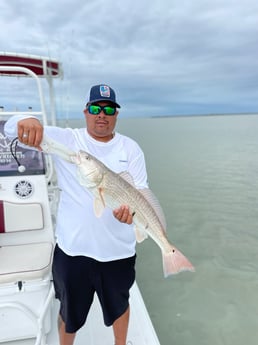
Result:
x=113 y=190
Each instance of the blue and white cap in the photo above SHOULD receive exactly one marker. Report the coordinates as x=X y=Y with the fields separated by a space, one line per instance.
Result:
x=101 y=92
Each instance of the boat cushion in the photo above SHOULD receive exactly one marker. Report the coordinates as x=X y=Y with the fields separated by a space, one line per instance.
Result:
x=25 y=262
x=20 y=217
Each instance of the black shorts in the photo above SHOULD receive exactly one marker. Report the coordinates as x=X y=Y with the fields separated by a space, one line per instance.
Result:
x=77 y=278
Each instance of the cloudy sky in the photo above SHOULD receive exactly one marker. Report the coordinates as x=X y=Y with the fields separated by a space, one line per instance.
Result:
x=163 y=57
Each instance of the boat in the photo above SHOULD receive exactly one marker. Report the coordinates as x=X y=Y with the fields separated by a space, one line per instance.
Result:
x=28 y=203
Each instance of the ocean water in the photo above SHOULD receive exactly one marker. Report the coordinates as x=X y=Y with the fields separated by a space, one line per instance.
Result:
x=204 y=171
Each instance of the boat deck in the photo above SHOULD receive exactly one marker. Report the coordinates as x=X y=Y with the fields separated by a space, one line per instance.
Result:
x=94 y=332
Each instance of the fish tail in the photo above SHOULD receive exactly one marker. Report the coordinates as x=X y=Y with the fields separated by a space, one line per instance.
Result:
x=174 y=262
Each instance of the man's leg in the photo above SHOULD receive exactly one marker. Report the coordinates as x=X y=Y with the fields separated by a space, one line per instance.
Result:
x=120 y=328
x=64 y=338
x=74 y=290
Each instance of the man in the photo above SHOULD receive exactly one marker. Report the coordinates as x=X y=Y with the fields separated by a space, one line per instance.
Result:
x=92 y=254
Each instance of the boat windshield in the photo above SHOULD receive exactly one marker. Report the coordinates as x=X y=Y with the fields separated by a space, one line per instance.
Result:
x=33 y=161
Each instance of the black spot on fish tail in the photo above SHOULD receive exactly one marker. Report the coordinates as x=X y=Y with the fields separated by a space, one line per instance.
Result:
x=133 y=214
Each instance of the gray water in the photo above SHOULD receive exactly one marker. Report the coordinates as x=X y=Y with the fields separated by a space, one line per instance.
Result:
x=204 y=170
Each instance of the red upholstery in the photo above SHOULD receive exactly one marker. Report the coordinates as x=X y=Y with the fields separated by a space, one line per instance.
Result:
x=2 y=225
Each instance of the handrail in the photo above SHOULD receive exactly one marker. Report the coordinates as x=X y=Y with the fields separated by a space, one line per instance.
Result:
x=42 y=113
x=38 y=320
x=14 y=112
x=33 y=75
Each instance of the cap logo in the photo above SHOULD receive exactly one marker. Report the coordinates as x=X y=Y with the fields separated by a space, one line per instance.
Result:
x=104 y=91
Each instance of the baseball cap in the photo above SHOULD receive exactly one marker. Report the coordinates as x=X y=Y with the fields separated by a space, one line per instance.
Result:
x=101 y=92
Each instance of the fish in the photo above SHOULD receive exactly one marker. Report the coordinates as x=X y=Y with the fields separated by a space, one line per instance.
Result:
x=111 y=189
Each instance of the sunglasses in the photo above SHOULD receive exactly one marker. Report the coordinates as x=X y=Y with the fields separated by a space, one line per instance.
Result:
x=96 y=109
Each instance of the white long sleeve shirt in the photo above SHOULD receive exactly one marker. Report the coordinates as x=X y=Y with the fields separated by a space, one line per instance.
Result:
x=78 y=230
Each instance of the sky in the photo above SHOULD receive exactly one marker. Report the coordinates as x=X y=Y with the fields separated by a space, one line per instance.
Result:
x=162 y=57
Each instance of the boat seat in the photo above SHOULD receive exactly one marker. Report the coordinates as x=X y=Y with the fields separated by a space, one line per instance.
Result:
x=20 y=217
x=23 y=261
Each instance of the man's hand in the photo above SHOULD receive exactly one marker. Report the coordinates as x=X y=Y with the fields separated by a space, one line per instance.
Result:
x=123 y=214
x=30 y=132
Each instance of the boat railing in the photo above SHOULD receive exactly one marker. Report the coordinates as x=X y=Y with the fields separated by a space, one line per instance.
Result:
x=30 y=73
x=16 y=112
x=42 y=114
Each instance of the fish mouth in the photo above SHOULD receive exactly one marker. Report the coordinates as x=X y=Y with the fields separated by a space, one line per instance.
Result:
x=76 y=159
x=79 y=157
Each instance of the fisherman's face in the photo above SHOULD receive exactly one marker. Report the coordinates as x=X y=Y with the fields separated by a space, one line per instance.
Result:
x=101 y=126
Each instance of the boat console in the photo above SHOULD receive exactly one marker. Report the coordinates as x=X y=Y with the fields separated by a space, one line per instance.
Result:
x=26 y=245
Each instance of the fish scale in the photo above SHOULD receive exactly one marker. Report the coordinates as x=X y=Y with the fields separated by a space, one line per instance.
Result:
x=113 y=190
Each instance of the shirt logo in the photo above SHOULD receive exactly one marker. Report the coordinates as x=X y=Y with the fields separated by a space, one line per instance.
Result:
x=104 y=91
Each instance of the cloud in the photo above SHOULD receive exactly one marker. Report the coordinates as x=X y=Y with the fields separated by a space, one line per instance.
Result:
x=164 y=57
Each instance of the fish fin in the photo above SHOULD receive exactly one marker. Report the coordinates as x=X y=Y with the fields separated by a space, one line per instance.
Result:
x=140 y=234
x=98 y=207
x=174 y=262
x=99 y=204
x=127 y=177
x=153 y=201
